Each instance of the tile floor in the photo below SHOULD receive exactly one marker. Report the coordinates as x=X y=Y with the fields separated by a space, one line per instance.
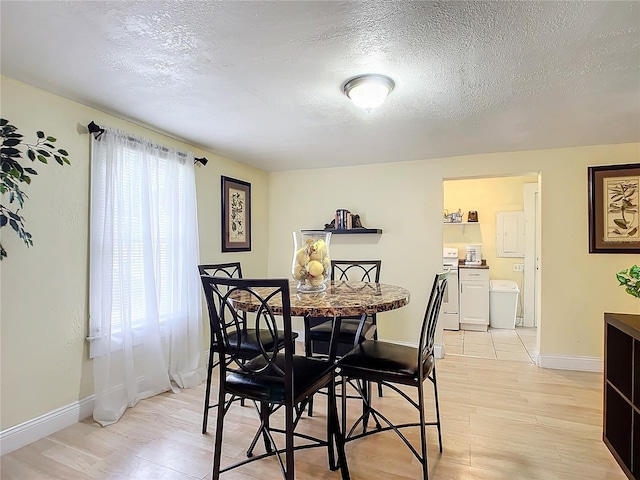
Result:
x=518 y=345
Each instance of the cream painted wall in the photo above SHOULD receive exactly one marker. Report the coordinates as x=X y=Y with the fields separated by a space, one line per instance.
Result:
x=44 y=296
x=44 y=289
x=487 y=196
x=406 y=201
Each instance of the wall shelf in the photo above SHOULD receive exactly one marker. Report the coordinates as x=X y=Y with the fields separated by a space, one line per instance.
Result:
x=351 y=231
x=464 y=224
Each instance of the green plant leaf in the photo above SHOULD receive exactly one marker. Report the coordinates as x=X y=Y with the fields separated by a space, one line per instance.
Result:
x=11 y=142
x=62 y=151
x=10 y=151
x=12 y=173
x=633 y=292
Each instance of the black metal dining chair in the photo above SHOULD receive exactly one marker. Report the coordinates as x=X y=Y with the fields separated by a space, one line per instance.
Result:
x=393 y=364
x=355 y=329
x=273 y=380
x=249 y=345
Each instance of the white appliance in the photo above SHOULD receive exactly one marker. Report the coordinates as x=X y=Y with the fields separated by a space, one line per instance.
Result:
x=474 y=255
x=449 y=313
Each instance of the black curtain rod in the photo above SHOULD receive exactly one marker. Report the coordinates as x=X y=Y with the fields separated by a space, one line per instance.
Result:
x=94 y=128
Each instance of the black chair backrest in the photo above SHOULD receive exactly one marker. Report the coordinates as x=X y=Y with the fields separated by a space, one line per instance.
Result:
x=360 y=270
x=428 y=332
x=230 y=270
x=227 y=323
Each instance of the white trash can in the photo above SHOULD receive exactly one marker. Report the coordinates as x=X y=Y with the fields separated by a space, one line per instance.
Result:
x=503 y=303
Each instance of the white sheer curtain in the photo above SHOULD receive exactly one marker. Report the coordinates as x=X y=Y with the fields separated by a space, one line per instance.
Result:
x=145 y=311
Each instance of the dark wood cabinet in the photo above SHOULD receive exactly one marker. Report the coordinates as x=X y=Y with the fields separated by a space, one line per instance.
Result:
x=621 y=423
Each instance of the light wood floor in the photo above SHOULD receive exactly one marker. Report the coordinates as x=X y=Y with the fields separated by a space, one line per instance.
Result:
x=501 y=420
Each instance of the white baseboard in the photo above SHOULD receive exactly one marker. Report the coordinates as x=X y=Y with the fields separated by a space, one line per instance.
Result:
x=28 y=432
x=570 y=362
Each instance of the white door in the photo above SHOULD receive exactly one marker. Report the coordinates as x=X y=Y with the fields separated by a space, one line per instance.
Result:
x=531 y=257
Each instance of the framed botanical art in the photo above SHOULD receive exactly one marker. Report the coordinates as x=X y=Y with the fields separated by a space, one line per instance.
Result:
x=614 y=224
x=236 y=215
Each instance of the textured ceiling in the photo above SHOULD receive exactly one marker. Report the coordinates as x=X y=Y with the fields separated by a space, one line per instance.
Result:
x=260 y=82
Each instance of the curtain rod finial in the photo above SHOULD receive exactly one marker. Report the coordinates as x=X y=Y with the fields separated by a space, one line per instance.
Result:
x=93 y=128
x=202 y=160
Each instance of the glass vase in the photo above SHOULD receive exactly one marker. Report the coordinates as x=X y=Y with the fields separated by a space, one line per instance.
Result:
x=311 y=264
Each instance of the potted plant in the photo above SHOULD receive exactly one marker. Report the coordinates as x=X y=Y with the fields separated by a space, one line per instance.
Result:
x=630 y=280
x=13 y=173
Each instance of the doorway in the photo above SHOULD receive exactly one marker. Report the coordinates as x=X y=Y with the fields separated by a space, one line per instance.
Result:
x=487 y=196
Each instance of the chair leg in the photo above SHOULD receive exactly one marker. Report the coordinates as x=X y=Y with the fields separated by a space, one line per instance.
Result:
x=423 y=433
x=265 y=413
x=207 y=395
x=338 y=433
x=344 y=406
x=375 y=337
x=435 y=393
x=310 y=407
x=289 y=447
x=366 y=390
x=331 y=424
x=217 y=449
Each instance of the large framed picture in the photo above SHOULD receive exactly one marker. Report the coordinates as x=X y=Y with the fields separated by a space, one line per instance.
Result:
x=236 y=215
x=614 y=224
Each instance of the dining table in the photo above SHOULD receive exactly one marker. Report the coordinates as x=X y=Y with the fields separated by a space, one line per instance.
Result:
x=340 y=299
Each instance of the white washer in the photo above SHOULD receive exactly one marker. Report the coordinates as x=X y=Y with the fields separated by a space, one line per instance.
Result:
x=503 y=303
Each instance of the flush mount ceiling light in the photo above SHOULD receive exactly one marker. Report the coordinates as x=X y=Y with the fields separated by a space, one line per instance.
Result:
x=368 y=91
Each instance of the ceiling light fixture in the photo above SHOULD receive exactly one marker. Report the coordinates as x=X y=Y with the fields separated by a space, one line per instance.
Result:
x=368 y=91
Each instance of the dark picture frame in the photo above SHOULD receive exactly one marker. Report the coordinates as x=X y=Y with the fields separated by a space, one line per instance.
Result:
x=236 y=215
x=614 y=220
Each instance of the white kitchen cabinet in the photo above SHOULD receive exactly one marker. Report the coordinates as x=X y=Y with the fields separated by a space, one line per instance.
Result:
x=474 y=298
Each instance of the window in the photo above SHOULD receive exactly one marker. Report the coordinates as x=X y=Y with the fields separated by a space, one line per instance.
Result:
x=143 y=204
